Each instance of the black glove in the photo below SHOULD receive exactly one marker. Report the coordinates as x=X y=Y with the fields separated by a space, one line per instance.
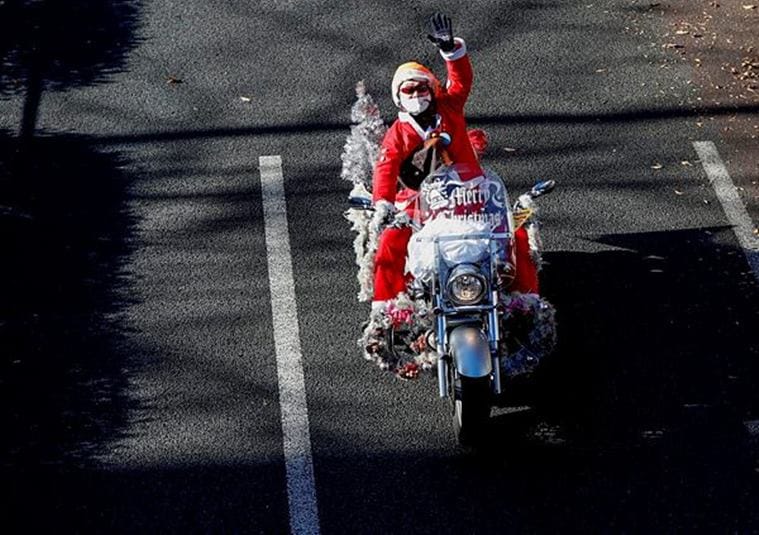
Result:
x=442 y=32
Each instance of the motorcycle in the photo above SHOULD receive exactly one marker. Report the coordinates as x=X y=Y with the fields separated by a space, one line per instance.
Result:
x=459 y=314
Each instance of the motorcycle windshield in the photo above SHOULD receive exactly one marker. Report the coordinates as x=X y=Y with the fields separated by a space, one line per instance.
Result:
x=482 y=199
x=460 y=214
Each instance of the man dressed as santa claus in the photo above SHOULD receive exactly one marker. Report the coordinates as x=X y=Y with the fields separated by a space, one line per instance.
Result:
x=428 y=111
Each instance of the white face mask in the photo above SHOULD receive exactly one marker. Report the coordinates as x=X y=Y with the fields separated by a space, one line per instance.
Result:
x=414 y=104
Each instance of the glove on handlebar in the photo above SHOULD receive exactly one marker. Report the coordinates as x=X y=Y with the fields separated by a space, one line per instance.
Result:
x=441 y=32
x=384 y=212
x=401 y=220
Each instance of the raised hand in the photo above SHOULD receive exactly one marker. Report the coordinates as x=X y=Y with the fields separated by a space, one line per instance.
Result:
x=441 y=32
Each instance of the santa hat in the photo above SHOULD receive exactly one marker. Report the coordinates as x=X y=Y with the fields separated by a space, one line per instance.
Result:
x=416 y=72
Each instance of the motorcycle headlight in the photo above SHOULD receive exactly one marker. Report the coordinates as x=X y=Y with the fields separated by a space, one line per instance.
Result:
x=466 y=285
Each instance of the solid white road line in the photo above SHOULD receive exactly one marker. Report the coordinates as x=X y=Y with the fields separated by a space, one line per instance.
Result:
x=731 y=202
x=301 y=490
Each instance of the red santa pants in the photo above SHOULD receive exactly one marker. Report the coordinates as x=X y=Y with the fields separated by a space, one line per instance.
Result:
x=390 y=264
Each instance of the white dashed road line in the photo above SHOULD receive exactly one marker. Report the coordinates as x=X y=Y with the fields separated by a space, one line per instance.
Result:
x=731 y=202
x=301 y=490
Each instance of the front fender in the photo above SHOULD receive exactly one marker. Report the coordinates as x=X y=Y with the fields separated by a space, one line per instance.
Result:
x=470 y=351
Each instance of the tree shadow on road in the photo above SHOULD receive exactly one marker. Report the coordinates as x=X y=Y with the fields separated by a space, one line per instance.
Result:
x=68 y=357
x=66 y=233
x=663 y=324
x=50 y=45
x=639 y=420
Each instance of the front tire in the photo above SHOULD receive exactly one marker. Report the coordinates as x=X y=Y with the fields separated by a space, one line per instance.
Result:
x=471 y=409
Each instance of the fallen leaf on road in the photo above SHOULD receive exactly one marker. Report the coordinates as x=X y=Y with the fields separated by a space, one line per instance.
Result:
x=657 y=166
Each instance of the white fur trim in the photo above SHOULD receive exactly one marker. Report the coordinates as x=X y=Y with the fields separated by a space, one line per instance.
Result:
x=525 y=201
x=536 y=244
x=422 y=74
x=457 y=53
x=406 y=117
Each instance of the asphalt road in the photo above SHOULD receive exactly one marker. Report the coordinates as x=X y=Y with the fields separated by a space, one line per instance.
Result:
x=169 y=419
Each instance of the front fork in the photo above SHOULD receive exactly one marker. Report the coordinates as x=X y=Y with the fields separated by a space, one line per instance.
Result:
x=442 y=351
x=494 y=335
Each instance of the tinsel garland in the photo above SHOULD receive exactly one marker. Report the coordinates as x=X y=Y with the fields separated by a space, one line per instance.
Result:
x=359 y=156
x=368 y=227
x=539 y=340
x=363 y=144
x=532 y=227
x=364 y=244
x=536 y=245
x=536 y=338
x=401 y=313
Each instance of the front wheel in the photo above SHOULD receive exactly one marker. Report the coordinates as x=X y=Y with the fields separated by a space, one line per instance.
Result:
x=471 y=409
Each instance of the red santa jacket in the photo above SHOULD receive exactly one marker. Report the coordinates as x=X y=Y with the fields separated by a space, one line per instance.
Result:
x=405 y=136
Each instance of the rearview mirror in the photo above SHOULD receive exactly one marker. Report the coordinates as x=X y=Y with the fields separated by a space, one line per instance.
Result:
x=360 y=203
x=541 y=188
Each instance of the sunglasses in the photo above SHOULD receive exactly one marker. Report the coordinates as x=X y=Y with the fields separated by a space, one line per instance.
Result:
x=415 y=88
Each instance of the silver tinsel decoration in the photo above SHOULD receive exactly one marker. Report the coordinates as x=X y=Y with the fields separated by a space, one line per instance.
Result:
x=541 y=340
x=419 y=320
x=359 y=156
x=532 y=226
x=363 y=144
